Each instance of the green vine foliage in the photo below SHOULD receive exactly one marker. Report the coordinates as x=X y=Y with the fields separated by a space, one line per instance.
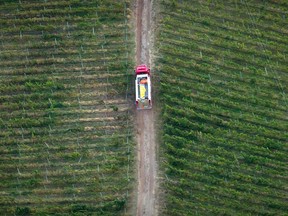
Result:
x=65 y=126
x=223 y=72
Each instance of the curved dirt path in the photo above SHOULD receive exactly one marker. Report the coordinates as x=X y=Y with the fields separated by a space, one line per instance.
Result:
x=146 y=146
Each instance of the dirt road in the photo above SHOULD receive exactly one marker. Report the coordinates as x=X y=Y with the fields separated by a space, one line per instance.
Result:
x=146 y=146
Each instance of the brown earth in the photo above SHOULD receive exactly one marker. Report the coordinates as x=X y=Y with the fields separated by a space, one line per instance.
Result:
x=145 y=119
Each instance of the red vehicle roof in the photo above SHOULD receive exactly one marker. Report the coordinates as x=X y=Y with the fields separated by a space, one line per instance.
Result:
x=142 y=69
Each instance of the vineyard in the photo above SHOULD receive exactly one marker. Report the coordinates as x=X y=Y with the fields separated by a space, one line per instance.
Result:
x=224 y=76
x=65 y=125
